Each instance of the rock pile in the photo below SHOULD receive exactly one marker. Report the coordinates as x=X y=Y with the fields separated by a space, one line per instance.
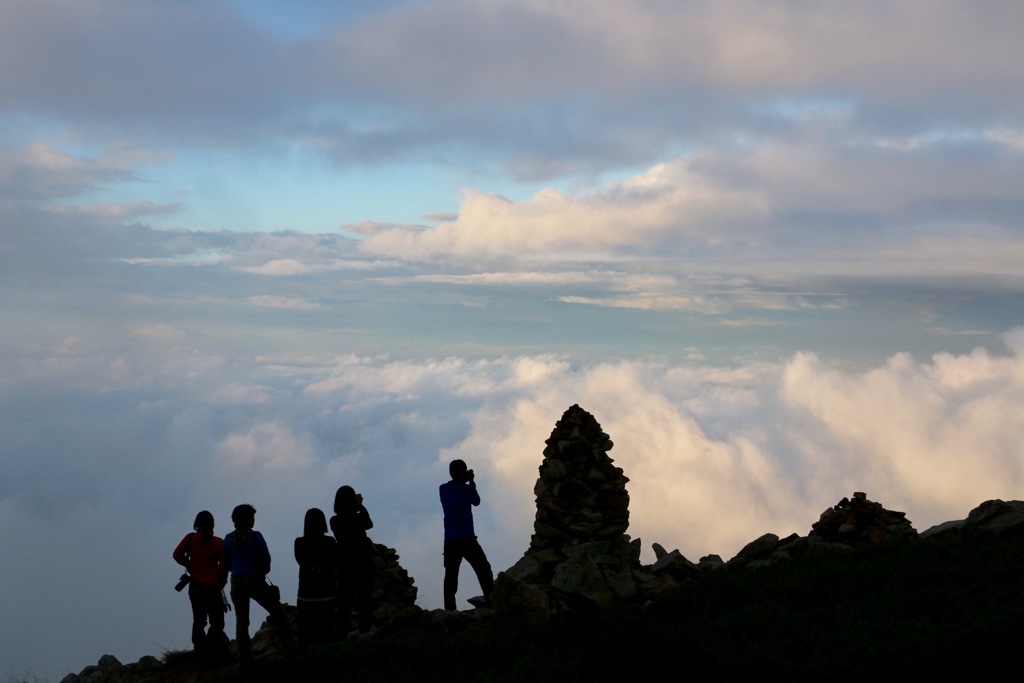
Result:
x=579 y=551
x=859 y=521
x=110 y=670
x=393 y=589
x=849 y=523
x=581 y=494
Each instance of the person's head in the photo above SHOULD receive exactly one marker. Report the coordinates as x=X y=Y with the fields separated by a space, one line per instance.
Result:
x=315 y=523
x=244 y=516
x=204 y=522
x=458 y=470
x=344 y=500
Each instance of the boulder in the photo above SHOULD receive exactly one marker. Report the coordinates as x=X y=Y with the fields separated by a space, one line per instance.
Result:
x=996 y=518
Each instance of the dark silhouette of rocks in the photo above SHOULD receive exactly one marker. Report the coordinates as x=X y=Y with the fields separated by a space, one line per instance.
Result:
x=850 y=523
x=992 y=519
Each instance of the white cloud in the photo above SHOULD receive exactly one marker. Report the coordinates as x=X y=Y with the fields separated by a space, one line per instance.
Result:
x=652 y=302
x=781 y=206
x=294 y=303
x=270 y=447
x=939 y=434
x=642 y=211
x=284 y=266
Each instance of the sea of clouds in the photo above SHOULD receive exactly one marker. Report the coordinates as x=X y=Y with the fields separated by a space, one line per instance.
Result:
x=112 y=449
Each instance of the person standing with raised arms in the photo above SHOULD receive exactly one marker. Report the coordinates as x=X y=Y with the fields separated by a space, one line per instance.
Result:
x=458 y=497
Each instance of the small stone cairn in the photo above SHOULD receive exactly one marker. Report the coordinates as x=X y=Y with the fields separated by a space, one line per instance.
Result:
x=858 y=521
x=394 y=590
x=579 y=553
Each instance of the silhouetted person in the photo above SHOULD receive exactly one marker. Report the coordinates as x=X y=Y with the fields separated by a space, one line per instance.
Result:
x=248 y=559
x=355 y=558
x=457 y=498
x=202 y=555
x=317 y=555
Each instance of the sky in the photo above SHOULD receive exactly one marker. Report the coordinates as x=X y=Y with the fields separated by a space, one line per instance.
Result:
x=252 y=251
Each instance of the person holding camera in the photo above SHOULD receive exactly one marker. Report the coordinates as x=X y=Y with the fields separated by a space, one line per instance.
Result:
x=458 y=497
x=247 y=557
x=202 y=555
x=349 y=525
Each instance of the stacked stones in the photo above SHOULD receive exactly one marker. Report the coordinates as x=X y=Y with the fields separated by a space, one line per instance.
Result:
x=860 y=521
x=393 y=589
x=579 y=549
x=394 y=592
x=581 y=495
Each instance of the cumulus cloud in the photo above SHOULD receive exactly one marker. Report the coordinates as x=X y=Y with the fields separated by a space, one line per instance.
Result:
x=941 y=431
x=640 y=211
x=856 y=211
x=268 y=447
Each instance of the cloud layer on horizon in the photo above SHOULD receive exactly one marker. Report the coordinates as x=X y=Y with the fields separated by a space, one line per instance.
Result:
x=716 y=455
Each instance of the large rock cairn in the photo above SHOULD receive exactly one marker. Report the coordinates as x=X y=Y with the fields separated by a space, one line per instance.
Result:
x=579 y=552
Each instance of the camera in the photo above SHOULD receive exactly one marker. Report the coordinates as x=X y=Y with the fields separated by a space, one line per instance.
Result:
x=182 y=582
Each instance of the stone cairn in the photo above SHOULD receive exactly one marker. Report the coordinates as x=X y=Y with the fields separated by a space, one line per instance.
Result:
x=858 y=521
x=394 y=590
x=848 y=524
x=579 y=552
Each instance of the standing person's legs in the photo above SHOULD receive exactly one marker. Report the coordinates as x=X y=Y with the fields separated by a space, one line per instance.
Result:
x=240 y=594
x=478 y=561
x=215 y=612
x=196 y=598
x=206 y=605
x=364 y=593
x=452 y=562
x=345 y=596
